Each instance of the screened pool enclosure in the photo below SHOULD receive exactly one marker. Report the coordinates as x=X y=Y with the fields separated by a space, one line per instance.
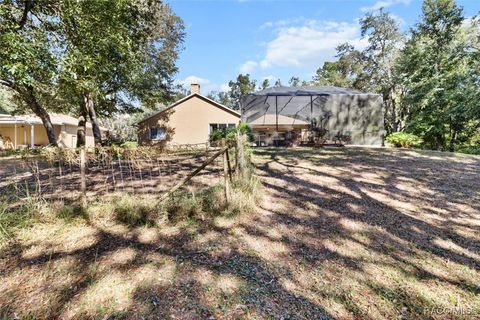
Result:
x=289 y=115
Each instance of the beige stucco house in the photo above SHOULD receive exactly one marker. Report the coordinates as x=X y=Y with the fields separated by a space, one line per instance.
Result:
x=187 y=121
x=28 y=131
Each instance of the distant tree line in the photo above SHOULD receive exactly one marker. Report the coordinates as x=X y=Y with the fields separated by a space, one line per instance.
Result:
x=86 y=58
x=429 y=78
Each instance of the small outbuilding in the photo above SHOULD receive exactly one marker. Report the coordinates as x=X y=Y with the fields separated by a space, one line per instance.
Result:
x=188 y=121
x=27 y=131
x=286 y=115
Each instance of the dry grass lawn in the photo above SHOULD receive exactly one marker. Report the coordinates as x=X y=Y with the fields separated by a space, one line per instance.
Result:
x=341 y=234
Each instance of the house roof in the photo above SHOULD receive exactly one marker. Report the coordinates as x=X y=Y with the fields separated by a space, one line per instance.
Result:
x=56 y=118
x=210 y=101
x=303 y=102
x=270 y=119
x=307 y=91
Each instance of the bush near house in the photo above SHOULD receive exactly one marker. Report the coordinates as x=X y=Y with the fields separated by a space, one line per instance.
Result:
x=229 y=133
x=404 y=140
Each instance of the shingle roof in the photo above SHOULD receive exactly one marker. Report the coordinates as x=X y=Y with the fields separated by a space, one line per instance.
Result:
x=56 y=118
x=214 y=103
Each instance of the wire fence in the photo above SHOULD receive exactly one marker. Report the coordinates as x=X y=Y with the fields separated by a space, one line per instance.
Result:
x=54 y=173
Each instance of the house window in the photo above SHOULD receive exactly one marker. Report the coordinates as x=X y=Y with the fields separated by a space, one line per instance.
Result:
x=158 y=134
x=221 y=126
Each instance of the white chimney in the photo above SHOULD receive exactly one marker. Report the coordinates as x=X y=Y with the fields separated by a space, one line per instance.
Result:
x=194 y=88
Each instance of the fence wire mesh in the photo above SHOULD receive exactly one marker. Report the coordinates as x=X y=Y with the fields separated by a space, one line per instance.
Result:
x=55 y=173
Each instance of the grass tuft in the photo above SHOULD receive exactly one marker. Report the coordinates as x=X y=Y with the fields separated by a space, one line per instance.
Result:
x=135 y=212
x=14 y=218
x=71 y=212
x=211 y=202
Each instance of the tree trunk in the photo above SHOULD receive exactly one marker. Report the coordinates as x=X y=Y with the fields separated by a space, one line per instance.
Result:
x=40 y=112
x=440 y=142
x=453 y=139
x=97 y=134
x=82 y=129
x=394 y=110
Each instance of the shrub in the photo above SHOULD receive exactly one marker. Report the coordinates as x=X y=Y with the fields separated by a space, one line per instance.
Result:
x=132 y=211
x=245 y=129
x=220 y=134
x=130 y=144
x=70 y=212
x=182 y=205
x=468 y=149
x=246 y=193
x=211 y=202
x=404 y=140
x=229 y=133
x=22 y=216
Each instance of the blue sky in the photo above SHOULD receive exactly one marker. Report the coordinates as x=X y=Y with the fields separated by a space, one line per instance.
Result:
x=275 y=39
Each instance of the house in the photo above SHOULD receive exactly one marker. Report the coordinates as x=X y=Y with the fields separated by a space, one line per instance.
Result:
x=188 y=121
x=28 y=131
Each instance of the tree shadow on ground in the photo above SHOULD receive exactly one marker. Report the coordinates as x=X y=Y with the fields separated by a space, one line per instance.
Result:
x=341 y=234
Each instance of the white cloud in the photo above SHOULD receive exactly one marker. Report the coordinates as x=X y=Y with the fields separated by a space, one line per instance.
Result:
x=224 y=87
x=270 y=78
x=248 y=67
x=281 y=23
x=384 y=4
x=309 y=44
x=206 y=85
x=398 y=19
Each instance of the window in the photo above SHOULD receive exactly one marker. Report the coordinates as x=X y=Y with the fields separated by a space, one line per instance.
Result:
x=221 y=126
x=157 y=134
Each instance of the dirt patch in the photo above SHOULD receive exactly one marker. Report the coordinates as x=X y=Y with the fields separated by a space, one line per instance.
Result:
x=341 y=233
x=60 y=180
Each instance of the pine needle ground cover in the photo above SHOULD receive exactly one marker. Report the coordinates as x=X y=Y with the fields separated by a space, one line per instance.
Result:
x=341 y=233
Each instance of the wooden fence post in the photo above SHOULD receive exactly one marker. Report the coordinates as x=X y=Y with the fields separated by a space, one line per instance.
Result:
x=229 y=165
x=240 y=154
x=226 y=174
x=83 y=179
x=236 y=153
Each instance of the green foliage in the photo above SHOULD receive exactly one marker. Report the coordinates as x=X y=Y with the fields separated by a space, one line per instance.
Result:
x=246 y=194
x=441 y=85
x=404 y=140
x=229 y=133
x=29 y=55
x=343 y=72
x=132 y=211
x=265 y=84
x=22 y=216
x=468 y=149
x=57 y=53
x=183 y=205
x=240 y=87
x=379 y=72
x=219 y=134
x=245 y=129
x=120 y=52
x=429 y=83
x=72 y=212
x=7 y=103
x=130 y=144
x=294 y=82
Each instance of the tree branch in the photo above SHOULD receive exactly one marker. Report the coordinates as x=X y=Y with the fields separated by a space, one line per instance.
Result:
x=6 y=83
x=26 y=9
